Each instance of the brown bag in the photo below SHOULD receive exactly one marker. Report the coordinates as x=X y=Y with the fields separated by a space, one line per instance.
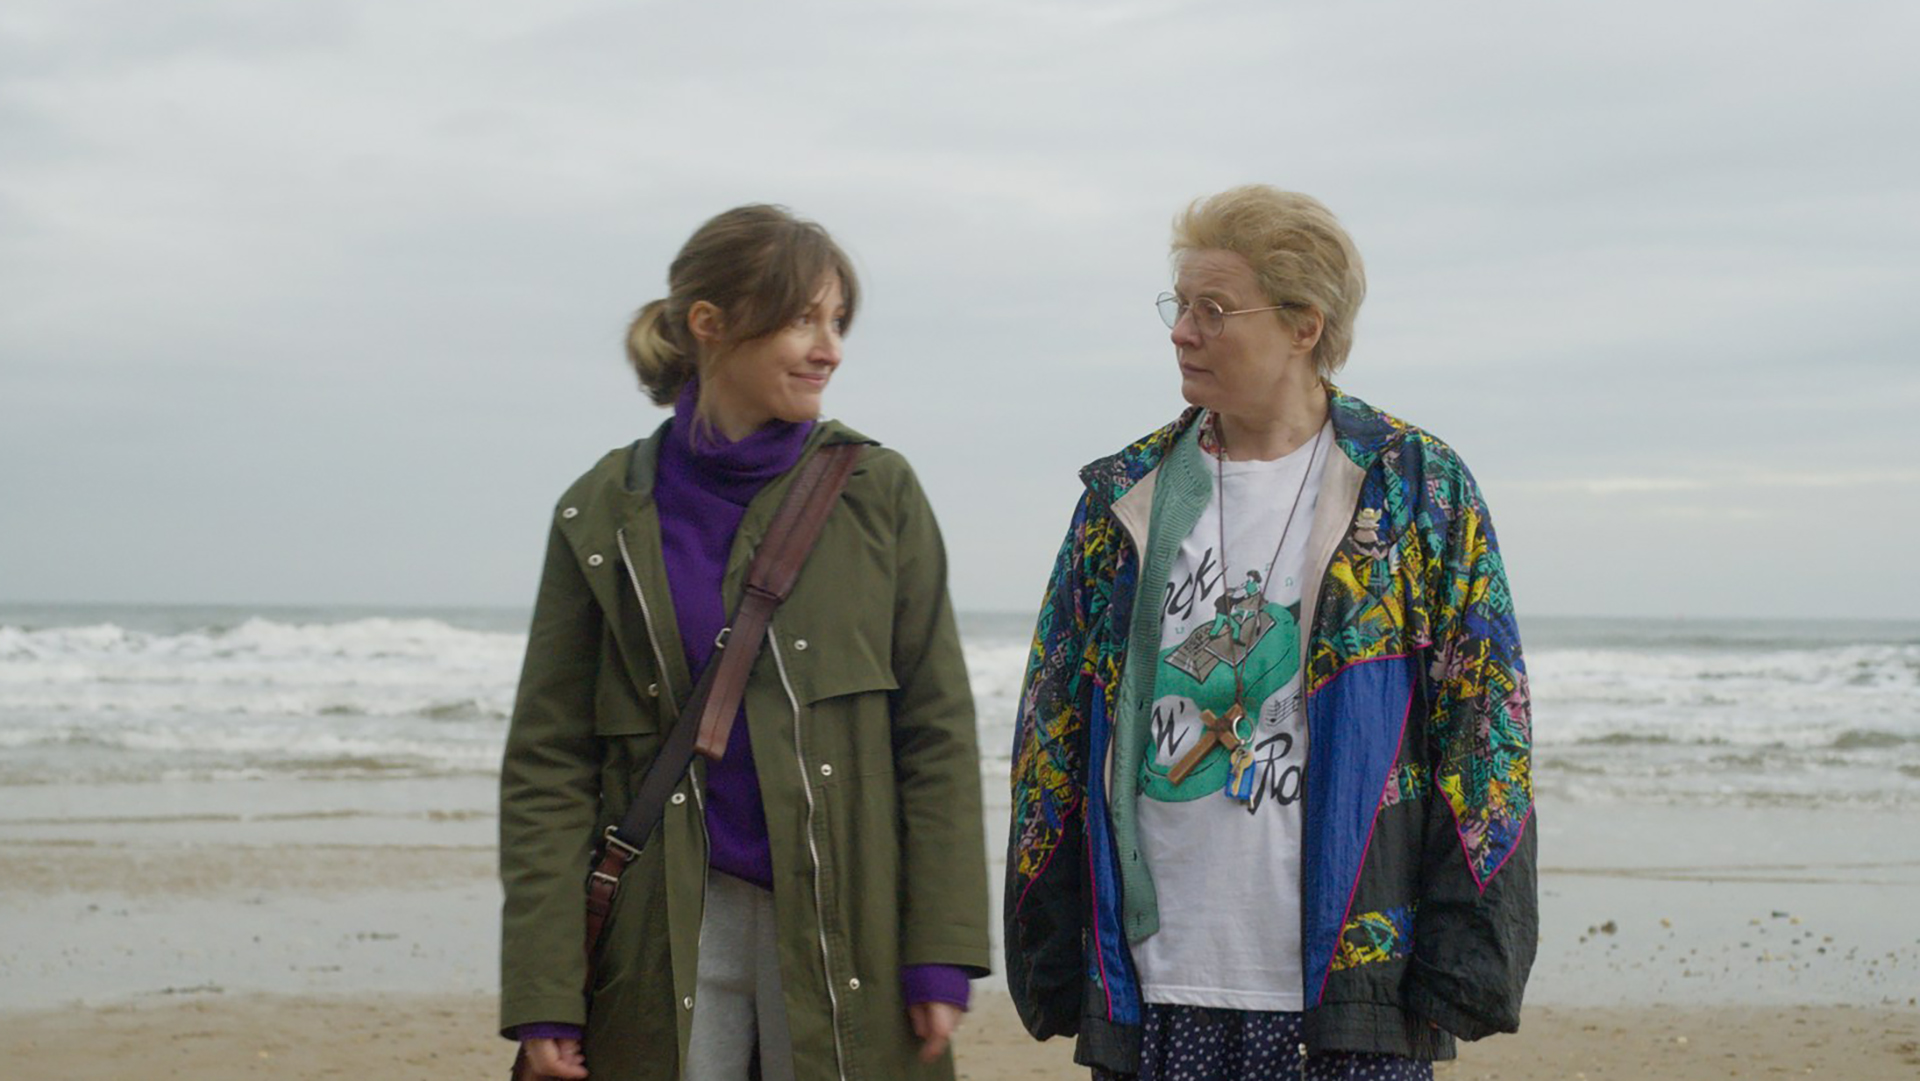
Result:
x=706 y=721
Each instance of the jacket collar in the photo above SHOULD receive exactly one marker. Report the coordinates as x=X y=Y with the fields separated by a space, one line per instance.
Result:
x=617 y=497
x=643 y=458
x=1359 y=430
x=1111 y=477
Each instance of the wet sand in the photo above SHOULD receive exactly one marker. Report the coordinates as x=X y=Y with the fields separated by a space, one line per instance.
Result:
x=322 y=929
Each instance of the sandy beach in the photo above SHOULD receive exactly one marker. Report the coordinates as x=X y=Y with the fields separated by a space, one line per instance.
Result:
x=218 y=1037
x=331 y=929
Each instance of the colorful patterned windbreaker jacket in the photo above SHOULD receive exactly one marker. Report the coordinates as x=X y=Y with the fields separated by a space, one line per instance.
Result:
x=1417 y=880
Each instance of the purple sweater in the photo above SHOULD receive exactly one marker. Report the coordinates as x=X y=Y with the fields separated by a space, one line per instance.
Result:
x=702 y=490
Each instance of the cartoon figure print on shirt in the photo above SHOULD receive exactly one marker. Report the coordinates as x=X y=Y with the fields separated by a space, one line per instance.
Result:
x=1195 y=693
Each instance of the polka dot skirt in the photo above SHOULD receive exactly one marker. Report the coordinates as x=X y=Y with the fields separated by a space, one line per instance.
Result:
x=1199 y=1043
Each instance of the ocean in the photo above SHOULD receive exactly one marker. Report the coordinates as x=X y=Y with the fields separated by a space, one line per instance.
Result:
x=1687 y=712
x=301 y=801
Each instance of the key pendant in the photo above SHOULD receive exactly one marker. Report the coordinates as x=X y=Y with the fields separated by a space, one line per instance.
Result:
x=1240 y=776
x=1217 y=731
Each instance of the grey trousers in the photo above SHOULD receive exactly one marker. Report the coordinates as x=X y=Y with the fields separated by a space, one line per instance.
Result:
x=737 y=1002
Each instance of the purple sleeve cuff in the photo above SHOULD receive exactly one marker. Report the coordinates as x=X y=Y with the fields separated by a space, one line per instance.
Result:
x=547 y=1030
x=934 y=983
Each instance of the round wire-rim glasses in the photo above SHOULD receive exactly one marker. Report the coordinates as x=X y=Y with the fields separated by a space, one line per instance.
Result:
x=1207 y=314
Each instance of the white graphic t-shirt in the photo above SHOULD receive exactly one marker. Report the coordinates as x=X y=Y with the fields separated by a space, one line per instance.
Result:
x=1227 y=869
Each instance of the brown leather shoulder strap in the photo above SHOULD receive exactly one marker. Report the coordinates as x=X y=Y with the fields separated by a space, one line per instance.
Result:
x=770 y=578
x=706 y=720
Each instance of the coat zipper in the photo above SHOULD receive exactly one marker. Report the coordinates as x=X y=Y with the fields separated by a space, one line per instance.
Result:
x=646 y=613
x=813 y=852
x=666 y=688
x=653 y=641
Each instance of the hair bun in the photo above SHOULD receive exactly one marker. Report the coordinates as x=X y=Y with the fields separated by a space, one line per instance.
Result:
x=657 y=358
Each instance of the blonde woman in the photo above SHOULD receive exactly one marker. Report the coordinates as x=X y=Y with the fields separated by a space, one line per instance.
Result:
x=813 y=902
x=1272 y=801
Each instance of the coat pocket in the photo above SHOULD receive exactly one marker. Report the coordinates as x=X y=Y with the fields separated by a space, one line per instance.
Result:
x=845 y=692
x=832 y=665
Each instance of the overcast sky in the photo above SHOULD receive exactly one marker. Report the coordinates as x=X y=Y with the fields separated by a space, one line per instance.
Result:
x=322 y=302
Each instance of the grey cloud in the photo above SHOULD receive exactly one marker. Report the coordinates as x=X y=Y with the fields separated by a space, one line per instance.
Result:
x=345 y=282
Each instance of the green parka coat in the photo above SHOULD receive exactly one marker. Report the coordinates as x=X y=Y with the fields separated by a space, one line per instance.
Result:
x=863 y=733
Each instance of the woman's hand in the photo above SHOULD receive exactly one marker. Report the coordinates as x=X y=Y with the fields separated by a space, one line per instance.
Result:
x=934 y=1023
x=556 y=1058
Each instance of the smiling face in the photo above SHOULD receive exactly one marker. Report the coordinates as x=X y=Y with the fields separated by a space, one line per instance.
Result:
x=778 y=376
x=1254 y=358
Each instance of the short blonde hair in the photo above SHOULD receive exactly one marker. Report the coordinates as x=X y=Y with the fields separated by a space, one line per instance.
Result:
x=1299 y=253
x=760 y=265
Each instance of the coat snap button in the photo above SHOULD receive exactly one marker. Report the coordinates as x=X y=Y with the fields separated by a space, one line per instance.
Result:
x=570 y=512
x=687 y=1002
x=853 y=984
x=653 y=690
x=799 y=643
x=595 y=560
x=826 y=769
x=679 y=797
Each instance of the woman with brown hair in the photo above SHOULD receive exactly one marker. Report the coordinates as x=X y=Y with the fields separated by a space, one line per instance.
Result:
x=813 y=901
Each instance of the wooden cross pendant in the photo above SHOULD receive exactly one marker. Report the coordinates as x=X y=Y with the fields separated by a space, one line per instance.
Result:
x=1218 y=732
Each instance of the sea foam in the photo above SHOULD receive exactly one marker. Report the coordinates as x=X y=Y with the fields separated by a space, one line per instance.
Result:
x=1704 y=719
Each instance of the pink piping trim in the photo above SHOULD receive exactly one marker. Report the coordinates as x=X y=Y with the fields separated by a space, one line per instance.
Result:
x=1098 y=956
x=1392 y=768
x=1099 y=688
x=1480 y=883
x=1044 y=864
x=1525 y=821
x=1093 y=875
x=1356 y=664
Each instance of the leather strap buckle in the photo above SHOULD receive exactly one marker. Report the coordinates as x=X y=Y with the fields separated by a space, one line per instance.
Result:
x=627 y=852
